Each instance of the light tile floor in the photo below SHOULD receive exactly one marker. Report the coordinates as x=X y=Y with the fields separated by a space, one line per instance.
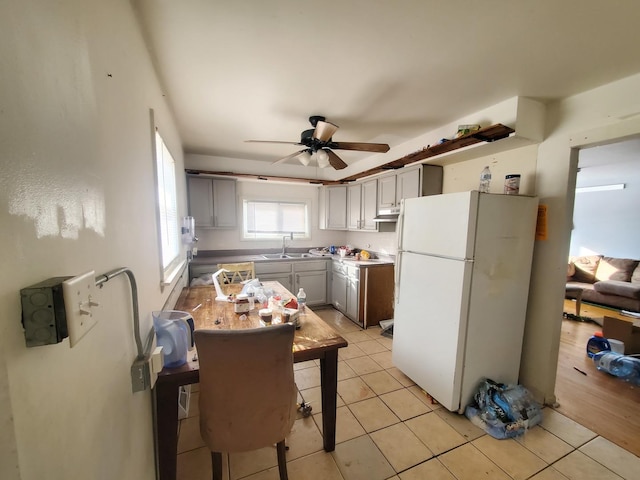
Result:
x=388 y=428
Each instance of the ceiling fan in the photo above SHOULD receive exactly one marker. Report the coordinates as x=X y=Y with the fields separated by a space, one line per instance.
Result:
x=320 y=145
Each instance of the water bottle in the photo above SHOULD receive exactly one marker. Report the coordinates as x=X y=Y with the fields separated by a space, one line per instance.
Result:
x=622 y=366
x=485 y=180
x=302 y=300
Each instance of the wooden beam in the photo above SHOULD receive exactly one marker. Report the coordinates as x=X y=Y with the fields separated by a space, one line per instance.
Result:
x=487 y=134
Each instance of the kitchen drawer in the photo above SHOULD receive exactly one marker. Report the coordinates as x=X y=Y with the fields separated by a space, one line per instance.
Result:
x=353 y=272
x=339 y=267
x=273 y=267
x=310 y=266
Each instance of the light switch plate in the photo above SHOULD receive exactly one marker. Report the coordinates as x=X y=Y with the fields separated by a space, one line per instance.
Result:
x=79 y=299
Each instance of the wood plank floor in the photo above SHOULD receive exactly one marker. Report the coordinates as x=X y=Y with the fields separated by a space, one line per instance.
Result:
x=605 y=404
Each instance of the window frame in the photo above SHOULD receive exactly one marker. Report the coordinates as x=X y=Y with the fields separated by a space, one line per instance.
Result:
x=168 y=222
x=245 y=235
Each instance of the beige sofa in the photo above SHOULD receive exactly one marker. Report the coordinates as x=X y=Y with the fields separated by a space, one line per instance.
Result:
x=609 y=281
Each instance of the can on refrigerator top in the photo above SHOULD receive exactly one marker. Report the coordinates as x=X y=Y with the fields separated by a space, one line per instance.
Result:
x=512 y=184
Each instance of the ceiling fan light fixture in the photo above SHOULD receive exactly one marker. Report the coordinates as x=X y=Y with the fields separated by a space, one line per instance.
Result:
x=304 y=158
x=322 y=158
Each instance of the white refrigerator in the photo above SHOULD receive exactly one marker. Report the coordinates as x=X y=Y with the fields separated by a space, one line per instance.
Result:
x=462 y=282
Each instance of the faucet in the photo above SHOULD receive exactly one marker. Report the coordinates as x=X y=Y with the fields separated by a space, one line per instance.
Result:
x=284 y=244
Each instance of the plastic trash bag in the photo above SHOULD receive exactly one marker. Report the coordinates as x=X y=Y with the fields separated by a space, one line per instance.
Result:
x=503 y=411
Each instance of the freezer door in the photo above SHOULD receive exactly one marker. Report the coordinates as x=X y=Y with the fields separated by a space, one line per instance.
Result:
x=442 y=225
x=430 y=325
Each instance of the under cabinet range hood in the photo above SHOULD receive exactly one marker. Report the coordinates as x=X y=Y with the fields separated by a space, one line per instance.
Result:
x=387 y=215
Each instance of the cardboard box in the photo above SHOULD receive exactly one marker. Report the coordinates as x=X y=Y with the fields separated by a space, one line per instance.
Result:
x=624 y=330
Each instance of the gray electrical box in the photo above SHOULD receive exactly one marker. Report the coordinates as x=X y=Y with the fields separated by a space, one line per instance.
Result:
x=43 y=316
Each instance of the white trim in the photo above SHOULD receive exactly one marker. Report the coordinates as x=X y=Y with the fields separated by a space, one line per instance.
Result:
x=173 y=274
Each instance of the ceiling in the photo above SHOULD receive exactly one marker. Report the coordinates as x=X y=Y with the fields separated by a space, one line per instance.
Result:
x=385 y=71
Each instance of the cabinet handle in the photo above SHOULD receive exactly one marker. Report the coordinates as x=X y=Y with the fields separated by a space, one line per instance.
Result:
x=215 y=220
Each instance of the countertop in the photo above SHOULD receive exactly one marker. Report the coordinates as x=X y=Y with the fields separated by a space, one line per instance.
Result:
x=213 y=257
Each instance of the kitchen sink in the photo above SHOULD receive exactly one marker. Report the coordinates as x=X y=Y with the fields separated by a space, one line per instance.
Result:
x=272 y=256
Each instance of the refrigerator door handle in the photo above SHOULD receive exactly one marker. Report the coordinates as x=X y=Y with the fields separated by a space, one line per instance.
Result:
x=397 y=275
x=399 y=226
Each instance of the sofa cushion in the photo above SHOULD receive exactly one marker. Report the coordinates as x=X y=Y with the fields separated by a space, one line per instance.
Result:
x=611 y=268
x=616 y=287
x=586 y=267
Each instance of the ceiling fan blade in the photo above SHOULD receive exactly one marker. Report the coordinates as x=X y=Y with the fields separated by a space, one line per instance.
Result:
x=335 y=161
x=284 y=159
x=272 y=141
x=364 y=147
x=324 y=131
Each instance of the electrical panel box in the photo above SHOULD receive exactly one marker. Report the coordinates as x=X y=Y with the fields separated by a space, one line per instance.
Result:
x=43 y=314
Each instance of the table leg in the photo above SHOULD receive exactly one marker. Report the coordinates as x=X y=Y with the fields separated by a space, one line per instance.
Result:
x=578 y=303
x=167 y=430
x=329 y=386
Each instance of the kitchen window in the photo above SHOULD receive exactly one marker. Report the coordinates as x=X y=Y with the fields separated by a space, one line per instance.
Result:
x=269 y=219
x=167 y=210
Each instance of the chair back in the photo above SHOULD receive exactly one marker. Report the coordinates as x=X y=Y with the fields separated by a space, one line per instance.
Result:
x=247 y=389
x=237 y=272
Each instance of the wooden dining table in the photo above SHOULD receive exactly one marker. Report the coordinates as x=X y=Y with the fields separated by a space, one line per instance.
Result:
x=314 y=339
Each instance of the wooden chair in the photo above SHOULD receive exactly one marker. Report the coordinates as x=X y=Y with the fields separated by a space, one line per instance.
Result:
x=247 y=391
x=237 y=272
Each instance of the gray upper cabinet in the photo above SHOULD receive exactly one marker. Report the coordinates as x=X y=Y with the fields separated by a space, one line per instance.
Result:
x=336 y=208
x=411 y=182
x=361 y=207
x=387 y=192
x=407 y=184
x=212 y=201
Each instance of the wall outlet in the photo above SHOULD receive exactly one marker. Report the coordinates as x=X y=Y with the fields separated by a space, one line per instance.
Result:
x=79 y=299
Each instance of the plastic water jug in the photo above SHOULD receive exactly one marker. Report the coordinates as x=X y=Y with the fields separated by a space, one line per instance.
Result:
x=174 y=331
x=597 y=343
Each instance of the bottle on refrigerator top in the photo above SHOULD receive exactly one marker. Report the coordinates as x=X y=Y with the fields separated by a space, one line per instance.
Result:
x=622 y=366
x=302 y=300
x=485 y=180
x=597 y=343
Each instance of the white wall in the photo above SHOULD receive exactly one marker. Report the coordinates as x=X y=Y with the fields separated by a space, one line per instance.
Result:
x=591 y=118
x=608 y=222
x=231 y=239
x=77 y=194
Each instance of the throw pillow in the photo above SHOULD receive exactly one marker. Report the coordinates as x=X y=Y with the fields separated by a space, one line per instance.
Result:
x=571 y=270
x=586 y=267
x=620 y=269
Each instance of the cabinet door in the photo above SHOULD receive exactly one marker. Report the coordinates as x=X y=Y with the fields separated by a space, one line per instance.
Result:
x=224 y=203
x=315 y=286
x=201 y=201
x=337 y=208
x=285 y=279
x=407 y=184
x=353 y=209
x=387 y=192
x=339 y=291
x=353 y=298
x=368 y=207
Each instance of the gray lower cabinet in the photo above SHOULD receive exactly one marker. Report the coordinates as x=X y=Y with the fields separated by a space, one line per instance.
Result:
x=308 y=274
x=276 y=271
x=363 y=294
x=345 y=289
x=339 y=291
